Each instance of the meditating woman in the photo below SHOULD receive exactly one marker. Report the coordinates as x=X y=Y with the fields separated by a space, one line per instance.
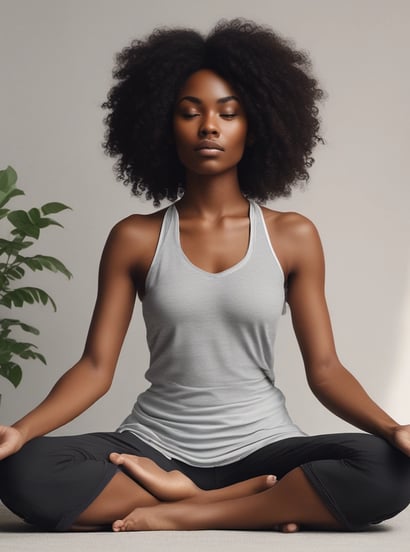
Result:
x=217 y=125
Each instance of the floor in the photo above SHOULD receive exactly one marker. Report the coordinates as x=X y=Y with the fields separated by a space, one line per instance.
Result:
x=392 y=536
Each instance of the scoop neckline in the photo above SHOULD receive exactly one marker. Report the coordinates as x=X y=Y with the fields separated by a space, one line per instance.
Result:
x=229 y=270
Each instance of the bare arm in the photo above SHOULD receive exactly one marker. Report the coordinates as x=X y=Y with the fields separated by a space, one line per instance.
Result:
x=329 y=380
x=91 y=377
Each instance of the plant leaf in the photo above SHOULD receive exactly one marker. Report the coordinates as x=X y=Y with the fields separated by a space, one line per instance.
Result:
x=5 y=323
x=10 y=347
x=44 y=222
x=12 y=298
x=5 y=355
x=12 y=372
x=15 y=272
x=12 y=247
x=39 y=262
x=26 y=224
x=4 y=282
x=18 y=347
x=35 y=216
x=31 y=262
x=21 y=221
x=17 y=297
x=5 y=198
x=45 y=298
x=8 y=179
x=26 y=296
x=32 y=354
x=5 y=349
x=29 y=329
x=53 y=207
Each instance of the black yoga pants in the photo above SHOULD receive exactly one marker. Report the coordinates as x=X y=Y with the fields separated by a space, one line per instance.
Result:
x=360 y=477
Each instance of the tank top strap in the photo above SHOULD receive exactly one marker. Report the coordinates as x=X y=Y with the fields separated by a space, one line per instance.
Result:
x=165 y=243
x=264 y=242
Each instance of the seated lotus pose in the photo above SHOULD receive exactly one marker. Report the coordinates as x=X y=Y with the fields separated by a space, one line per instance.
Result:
x=217 y=125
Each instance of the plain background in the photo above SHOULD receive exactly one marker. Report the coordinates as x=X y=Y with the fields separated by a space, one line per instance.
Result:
x=56 y=58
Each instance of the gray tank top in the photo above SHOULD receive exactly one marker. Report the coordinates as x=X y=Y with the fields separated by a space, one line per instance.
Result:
x=212 y=398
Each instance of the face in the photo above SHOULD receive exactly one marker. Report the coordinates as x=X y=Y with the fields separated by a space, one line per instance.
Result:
x=210 y=125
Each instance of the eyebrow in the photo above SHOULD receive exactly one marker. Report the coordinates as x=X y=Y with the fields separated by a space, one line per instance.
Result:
x=197 y=101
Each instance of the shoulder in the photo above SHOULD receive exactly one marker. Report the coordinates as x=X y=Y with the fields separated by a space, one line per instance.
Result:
x=133 y=239
x=290 y=223
x=137 y=227
x=294 y=237
x=130 y=247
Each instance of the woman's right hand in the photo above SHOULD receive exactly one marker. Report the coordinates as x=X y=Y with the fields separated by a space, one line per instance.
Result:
x=11 y=441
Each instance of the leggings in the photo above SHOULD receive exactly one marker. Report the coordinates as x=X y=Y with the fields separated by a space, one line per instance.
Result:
x=360 y=477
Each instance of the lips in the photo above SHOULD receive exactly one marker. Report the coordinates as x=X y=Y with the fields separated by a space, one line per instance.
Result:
x=209 y=145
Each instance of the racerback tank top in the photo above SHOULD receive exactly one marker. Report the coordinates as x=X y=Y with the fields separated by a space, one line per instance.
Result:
x=212 y=398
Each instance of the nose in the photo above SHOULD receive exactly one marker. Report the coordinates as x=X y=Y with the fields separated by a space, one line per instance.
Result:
x=208 y=126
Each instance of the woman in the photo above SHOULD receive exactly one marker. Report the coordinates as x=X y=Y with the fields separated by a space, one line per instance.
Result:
x=225 y=122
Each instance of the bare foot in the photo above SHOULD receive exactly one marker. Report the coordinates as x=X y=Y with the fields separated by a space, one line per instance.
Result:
x=166 y=486
x=174 y=485
x=165 y=517
x=145 y=519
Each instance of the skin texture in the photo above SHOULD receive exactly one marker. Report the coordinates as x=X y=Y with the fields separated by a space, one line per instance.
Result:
x=214 y=230
x=207 y=115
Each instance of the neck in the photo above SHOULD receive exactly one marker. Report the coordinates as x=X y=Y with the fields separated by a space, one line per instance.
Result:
x=212 y=196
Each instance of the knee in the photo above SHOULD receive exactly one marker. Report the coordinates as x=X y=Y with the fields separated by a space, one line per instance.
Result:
x=21 y=466
x=11 y=472
x=10 y=492
x=20 y=478
x=391 y=476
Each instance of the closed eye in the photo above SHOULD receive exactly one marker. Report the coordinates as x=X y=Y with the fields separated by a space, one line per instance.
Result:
x=189 y=115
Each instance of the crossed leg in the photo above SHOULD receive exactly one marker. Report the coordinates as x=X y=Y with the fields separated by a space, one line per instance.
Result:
x=170 y=501
x=258 y=503
x=149 y=485
x=172 y=486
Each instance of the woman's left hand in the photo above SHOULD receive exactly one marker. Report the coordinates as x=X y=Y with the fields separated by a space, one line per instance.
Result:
x=401 y=438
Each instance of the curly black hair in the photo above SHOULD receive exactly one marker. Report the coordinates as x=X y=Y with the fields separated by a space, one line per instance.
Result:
x=272 y=78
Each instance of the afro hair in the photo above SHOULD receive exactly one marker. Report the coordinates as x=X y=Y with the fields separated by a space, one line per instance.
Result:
x=272 y=78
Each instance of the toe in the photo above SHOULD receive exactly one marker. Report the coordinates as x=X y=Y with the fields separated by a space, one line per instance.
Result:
x=118 y=525
x=271 y=480
x=115 y=458
x=290 y=528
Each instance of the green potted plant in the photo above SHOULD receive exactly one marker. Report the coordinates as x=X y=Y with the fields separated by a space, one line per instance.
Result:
x=24 y=229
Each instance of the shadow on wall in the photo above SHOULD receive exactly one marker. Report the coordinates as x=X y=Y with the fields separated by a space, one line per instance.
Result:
x=368 y=292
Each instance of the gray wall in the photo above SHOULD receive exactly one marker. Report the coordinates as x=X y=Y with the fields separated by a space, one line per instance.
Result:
x=56 y=58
